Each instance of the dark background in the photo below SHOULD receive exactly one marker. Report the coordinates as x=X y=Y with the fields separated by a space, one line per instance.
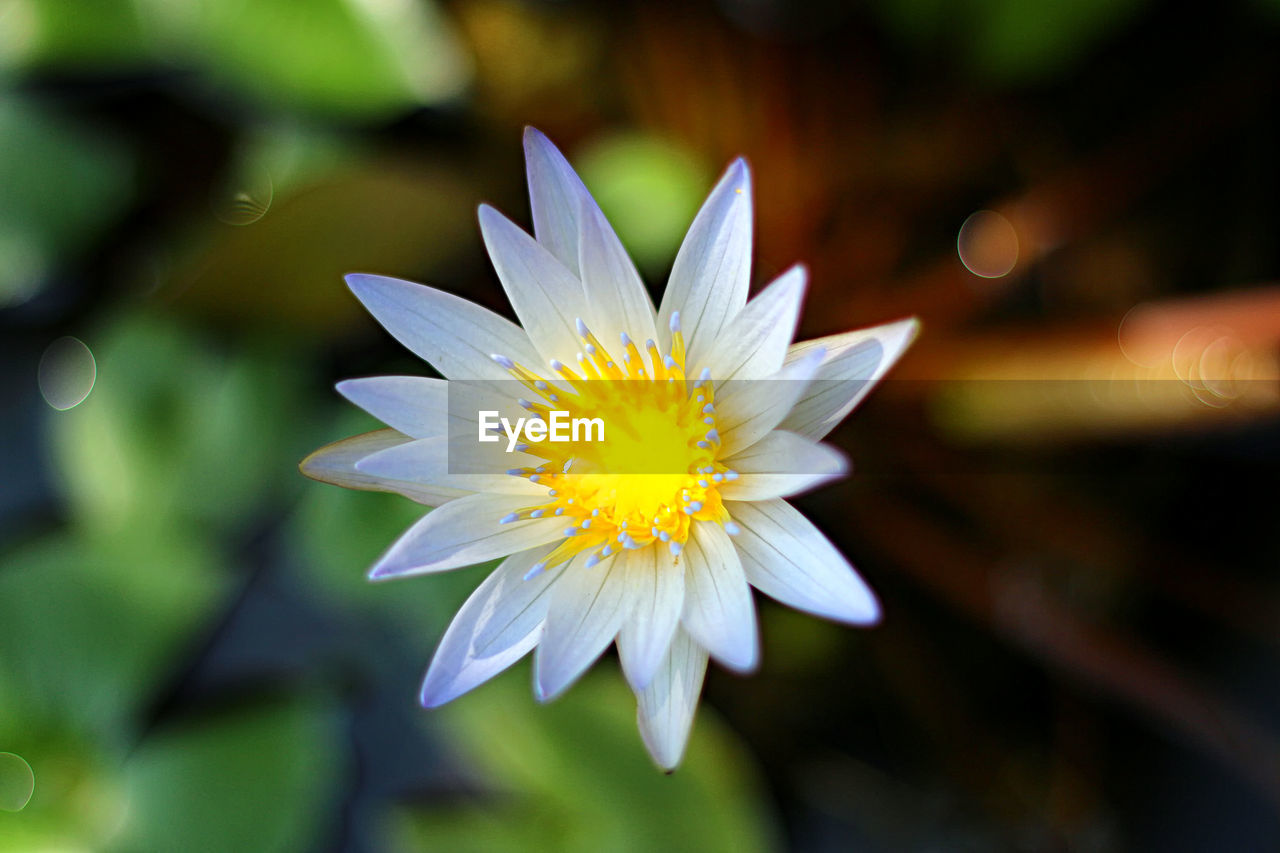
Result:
x=1065 y=498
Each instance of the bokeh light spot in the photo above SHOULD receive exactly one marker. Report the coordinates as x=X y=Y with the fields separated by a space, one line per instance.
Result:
x=66 y=373
x=1140 y=343
x=246 y=198
x=17 y=782
x=987 y=244
x=1204 y=359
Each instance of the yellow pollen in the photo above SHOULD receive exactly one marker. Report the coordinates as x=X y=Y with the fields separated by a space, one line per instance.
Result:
x=657 y=469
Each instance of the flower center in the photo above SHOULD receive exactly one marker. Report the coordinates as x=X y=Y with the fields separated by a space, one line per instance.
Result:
x=654 y=472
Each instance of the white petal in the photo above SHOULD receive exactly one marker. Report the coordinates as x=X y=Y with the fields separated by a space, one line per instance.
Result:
x=546 y=296
x=665 y=708
x=755 y=342
x=718 y=610
x=462 y=533
x=749 y=409
x=336 y=463
x=616 y=298
x=523 y=604
x=427 y=461
x=657 y=586
x=712 y=270
x=587 y=608
x=854 y=363
x=414 y=405
x=780 y=464
x=787 y=558
x=497 y=625
x=454 y=335
x=556 y=194
x=467 y=454
x=466 y=399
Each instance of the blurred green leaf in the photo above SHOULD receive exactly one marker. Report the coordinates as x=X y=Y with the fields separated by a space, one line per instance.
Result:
x=71 y=34
x=254 y=779
x=77 y=799
x=237 y=449
x=340 y=533
x=1020 y=40
x=16 y=782
x=273 y=161
x=61 y=185
x=88 y=630
x=174 y=432
x=1014 y=41
x=284 y=271
x=360 y=58
x=649 y=189
x=573 y=775
x=115 y=449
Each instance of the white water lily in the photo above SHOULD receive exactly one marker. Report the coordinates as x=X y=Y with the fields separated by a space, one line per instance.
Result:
x=662 y=564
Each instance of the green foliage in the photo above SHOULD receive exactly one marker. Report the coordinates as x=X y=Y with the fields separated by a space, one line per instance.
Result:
x=343 y=56
x=257 y=779
x=61 y=187
x=72 y=35
x=284 y=272
x=17 y=782
x=572 y=776
x=333 y=57
x=153 y=446
x=1009 y=41
x=172 y=449
x=82 y=666
x=649 y=190
x=77 y=800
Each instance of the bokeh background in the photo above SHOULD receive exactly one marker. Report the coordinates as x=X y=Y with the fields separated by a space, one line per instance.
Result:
x=1066 y=497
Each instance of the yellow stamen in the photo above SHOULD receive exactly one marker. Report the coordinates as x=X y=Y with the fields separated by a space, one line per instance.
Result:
x=657 y=470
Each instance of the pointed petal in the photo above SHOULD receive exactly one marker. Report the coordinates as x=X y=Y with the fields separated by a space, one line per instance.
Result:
x=467 y=398
x=616 y=298
x=755 y=343
x=414 y=405
x=658 y=587
x=454 y=335
x=780 y=464
x=336 y=463
x=462 y=533
x=587 y=608
x=556 y=194
x=666 y=707
x=748 y=410
x=854 y=363
x=497 y=625
x=789 y=559
x=718 y=611
x=546 y=296
x=712 y=270
x=522 y=604
x=427 y=461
